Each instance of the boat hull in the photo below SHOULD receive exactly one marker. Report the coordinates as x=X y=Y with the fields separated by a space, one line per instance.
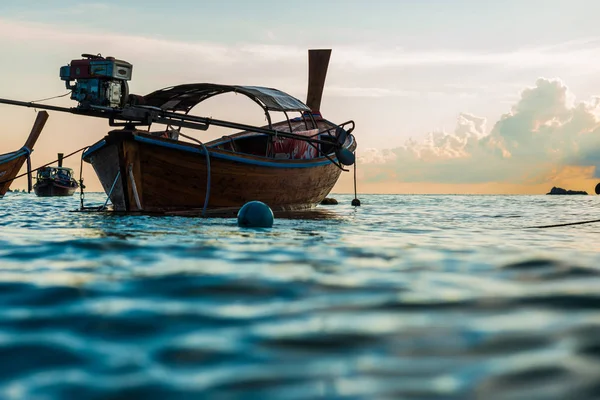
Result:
x=143 y=173
x=10 y=164
x=53 y=189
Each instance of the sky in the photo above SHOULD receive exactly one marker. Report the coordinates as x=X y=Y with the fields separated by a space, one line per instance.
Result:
x=448 y=96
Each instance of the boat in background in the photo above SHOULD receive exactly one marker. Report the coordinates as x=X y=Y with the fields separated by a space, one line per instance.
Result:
x=55 y=181
x=11 y=163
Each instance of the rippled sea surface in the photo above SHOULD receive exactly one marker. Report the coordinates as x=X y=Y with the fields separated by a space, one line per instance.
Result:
x=405 y=297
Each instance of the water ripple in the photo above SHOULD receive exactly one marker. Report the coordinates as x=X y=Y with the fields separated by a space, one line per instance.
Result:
x=433 y=297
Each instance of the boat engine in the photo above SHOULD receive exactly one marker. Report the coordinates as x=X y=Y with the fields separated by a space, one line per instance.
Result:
x=99 y=81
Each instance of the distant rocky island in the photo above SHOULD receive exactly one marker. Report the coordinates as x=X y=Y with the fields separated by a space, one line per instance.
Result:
x=557 y=190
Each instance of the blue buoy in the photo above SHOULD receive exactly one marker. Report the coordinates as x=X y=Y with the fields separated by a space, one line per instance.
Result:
x=345 y=156
x=255 y=214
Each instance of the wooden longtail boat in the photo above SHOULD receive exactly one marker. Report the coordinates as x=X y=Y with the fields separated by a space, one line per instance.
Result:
x=55 y=181
x=11 y=163
x=156 y=172
x=289 y=165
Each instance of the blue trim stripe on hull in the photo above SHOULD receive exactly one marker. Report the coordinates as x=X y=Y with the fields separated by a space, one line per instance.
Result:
x=17 y=154
x=94 y=148
x=175 y=146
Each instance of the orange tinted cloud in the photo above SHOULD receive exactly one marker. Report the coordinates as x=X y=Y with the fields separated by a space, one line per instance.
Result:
x=568 y=177
x=547 y=139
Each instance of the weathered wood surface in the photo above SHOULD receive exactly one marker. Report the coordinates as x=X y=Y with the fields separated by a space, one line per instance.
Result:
x=10 y=169
x=173 y=179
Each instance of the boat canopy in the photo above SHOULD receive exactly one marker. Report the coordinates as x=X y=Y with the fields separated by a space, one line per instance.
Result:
x=47 y=171
x=57 y=168
x=185 y=97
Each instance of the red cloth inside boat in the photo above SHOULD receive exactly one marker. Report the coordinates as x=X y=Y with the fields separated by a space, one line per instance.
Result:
x=295 y=149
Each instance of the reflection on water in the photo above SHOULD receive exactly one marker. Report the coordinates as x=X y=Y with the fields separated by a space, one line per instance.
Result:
x=433 y=297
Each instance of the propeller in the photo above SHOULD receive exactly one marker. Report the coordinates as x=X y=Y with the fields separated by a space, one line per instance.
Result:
x=318 y=61
x=344 y=156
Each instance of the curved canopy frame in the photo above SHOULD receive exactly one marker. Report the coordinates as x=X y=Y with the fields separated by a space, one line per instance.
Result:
x=184 y=97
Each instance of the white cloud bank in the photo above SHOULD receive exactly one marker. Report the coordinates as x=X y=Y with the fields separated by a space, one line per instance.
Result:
x=545 y=132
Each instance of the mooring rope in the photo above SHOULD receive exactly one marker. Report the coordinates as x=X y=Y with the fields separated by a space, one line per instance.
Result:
x=354 y=175
x=355 y=201
x=565 y=224
x=51 y=98
x=45 y=165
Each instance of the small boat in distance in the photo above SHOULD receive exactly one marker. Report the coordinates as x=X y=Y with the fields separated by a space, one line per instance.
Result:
x=11 y=163
x=55 y=181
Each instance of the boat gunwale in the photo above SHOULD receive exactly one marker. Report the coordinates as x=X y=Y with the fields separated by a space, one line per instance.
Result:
x=222 y=153
x=14 y=155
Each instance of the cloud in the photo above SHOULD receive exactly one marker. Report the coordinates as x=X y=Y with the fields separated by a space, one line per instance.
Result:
x=583 y=53
x=546 y=137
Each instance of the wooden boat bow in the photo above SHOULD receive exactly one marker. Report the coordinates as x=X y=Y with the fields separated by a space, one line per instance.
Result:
x=11 y=163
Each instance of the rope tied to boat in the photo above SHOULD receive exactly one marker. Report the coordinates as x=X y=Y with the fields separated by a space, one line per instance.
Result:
x=355 y=201
x=564 y=224
x=51 y=98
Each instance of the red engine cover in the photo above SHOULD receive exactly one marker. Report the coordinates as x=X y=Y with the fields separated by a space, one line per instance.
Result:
x=80 y=69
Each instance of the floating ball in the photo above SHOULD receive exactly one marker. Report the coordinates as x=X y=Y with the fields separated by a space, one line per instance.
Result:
x=598 y=188
x=255 y=214
x=356 y=202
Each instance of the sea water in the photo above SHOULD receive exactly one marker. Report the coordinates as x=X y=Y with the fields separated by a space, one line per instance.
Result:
x=407 y=296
